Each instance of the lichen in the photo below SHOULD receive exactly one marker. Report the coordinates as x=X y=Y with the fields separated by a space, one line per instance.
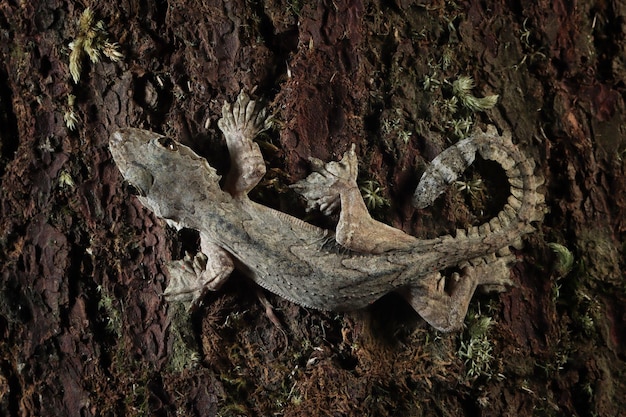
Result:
x=92 y=39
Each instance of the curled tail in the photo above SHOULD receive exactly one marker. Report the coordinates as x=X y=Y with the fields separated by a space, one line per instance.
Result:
x=526 y=204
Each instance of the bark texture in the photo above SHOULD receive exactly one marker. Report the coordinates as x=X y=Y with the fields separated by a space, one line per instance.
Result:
x=84 y=329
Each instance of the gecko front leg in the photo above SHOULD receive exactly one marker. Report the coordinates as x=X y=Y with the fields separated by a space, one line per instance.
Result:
x=191 y=277
x=241 y=121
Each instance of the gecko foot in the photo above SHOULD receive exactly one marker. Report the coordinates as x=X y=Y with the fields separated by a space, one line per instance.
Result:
x=244 y=117
x=322 y=188
x=446 y=312
x=191 y=277
x=186 y=282
x=241 y=122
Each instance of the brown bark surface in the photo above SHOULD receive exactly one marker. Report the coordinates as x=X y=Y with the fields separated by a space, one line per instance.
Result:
x=84 y=330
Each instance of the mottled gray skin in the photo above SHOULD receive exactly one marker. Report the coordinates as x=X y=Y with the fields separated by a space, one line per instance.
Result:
x=349 y=269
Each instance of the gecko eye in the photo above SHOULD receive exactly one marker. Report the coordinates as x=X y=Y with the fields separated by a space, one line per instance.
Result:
x=168 y=144
x=134 y=190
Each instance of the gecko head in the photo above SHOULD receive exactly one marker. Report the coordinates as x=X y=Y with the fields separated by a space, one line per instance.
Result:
x=130 y=150
x=157 y=165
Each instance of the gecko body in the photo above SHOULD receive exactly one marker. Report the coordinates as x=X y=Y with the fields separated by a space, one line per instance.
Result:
x=345 y=269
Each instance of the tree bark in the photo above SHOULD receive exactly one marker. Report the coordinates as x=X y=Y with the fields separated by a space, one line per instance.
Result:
x=84 y=328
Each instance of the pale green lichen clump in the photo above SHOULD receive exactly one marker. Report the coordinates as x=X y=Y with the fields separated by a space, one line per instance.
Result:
x=70 y=117
x=92 y=39
x=462 y=89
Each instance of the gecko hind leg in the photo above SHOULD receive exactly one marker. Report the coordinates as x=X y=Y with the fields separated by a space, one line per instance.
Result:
x=241 y=122
x=446 y=312
x=323 y=187
x=334 y=185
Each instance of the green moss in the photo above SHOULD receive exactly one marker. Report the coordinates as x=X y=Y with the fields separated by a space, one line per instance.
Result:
x=565 y=258
x=185 y=351
x=475 y=347
x=373 y=195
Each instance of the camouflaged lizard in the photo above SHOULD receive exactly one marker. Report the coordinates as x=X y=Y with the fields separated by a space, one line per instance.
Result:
x=347 y=269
